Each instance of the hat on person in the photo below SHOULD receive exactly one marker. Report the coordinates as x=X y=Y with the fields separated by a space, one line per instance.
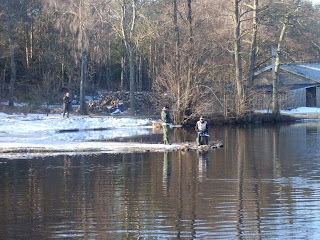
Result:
x=202 y=117
x=165 y=107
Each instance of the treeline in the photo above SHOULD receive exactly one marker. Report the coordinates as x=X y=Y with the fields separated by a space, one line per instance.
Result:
x=197 y=56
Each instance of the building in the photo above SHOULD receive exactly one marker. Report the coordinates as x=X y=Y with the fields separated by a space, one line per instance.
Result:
x=299 y=86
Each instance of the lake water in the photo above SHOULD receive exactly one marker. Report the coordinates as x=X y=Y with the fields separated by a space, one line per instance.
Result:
x=264 y=184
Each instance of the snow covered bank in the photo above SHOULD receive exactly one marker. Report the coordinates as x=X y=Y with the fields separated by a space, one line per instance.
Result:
x=300 y=110
x=35 y=128
x=305 y=113
x=36 y=132
x=20 y=150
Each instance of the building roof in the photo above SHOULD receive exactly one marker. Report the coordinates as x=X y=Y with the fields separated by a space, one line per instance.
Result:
x=307 y=70
x=269 y=88
x=293 y=76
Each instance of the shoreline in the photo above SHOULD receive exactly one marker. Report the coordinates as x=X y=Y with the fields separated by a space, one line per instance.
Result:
x=76 y=148
x=41 y=135
x=258 y=116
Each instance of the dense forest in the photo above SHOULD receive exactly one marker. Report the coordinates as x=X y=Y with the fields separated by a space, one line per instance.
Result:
x=195 y=56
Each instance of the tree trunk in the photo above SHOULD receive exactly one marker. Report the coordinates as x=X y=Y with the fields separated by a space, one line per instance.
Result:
x=275 y=82
x=253 y=55
x=190 y=21
x=132 y=81
x=31 y=32
x=2 y=80
x=151 y=63
x=122 y=68
x=238 y=62
x=155 y=64
x=27 y=51
x=253 y=42
x=70 y=80
x=99 y=78
x=13 y=72
x=83 y=109
x=177 y=61
x=140 y=76
x=109 y=60
x=188 y=96
x=275 y=75
x=12 y=56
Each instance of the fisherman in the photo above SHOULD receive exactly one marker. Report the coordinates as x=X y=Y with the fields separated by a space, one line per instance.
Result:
x=165 y=117
x=66 y=104
x=202 y=130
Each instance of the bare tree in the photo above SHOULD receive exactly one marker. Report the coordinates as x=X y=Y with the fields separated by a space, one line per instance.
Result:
x=124 y=16
x=76 y=18
x=238 y=59
x=18 y=15
x=275 y=93
x=177 y=61
x=11 y=21
x=190 y=60
x=253 y=47
x=187 y=50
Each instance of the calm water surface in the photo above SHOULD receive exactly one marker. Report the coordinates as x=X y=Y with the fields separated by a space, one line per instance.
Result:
x=264 y=184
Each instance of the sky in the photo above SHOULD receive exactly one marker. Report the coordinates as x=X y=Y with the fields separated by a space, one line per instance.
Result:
x=316 y=1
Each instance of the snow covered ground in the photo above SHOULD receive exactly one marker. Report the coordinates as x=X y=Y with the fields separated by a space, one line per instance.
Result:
x=302 y=113
x=77 y=133
x=300 y=110
x=40 y=128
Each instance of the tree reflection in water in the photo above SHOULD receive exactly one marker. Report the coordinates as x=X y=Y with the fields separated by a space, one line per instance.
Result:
x=263 y=184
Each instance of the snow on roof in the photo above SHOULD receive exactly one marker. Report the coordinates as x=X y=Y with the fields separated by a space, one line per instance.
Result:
x=307 y=70
x=269 y=88
x=300 y=74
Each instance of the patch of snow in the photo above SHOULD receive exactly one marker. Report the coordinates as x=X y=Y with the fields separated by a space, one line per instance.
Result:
x=81 y=148
x=52 y=106
x=264 y=111
x=116 y=112
x=104 y=146
x=16 y=104
x=300 y=110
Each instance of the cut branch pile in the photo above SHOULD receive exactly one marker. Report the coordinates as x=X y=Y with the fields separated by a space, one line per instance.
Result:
x=119 y=101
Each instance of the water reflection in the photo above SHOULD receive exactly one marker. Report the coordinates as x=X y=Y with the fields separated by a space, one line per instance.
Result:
x=264 y=184
x=166 y=171
x=203 y=160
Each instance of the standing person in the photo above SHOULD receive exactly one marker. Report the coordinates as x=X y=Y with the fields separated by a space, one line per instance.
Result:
x=202 y=130
x=66 y=104
x=165 y=117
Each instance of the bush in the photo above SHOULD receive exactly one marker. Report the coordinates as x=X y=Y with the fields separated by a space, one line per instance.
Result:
x=28 y=98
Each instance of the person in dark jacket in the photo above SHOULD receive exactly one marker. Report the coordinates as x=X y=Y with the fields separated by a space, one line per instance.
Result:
x=165 y=117
x=66 y=104
x=202 y=130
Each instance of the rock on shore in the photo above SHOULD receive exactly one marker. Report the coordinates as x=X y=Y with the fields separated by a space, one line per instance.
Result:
x=195 y=147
